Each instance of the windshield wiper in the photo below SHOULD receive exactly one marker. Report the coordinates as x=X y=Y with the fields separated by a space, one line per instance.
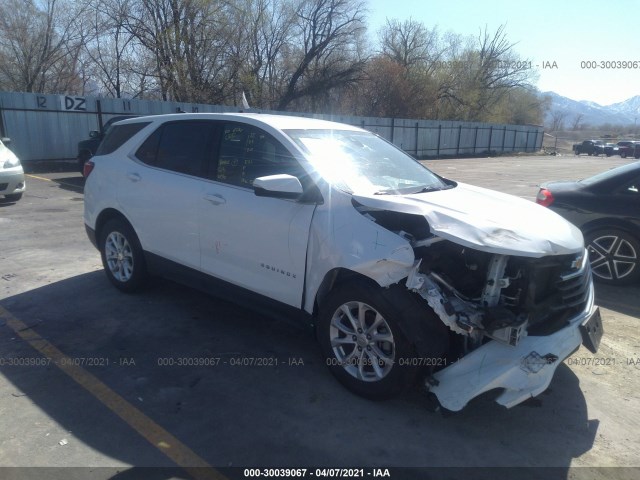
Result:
x=424 y=190
x=403 y=191
x=385 y=192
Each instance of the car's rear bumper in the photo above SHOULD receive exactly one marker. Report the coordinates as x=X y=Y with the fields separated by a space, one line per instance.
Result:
x=522 y=371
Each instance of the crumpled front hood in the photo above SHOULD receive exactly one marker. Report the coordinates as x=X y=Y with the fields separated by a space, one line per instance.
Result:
x=486 y=220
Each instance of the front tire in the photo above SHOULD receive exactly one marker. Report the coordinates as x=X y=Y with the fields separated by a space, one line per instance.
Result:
x=122 y=256
x=614 y=256
x=362 y=341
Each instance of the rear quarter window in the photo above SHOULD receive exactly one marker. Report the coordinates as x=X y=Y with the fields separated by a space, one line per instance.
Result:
x=117 y=135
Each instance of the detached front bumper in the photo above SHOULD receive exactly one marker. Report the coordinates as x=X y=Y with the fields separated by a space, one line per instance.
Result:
x=523 y=371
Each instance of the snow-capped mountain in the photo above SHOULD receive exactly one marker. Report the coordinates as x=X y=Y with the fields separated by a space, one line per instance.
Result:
x=628 y=107
x=621 y=113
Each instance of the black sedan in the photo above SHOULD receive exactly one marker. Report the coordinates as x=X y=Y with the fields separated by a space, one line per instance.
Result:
x=606 y=207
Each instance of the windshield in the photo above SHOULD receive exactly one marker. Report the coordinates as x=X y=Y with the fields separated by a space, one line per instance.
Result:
x=363 y=163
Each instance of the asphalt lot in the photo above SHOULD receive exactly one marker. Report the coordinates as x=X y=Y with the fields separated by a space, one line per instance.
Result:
x=90 y=377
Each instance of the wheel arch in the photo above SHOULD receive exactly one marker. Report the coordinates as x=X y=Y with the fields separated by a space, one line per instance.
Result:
x=333 y=278
x=611 y=223
x=429 y=336
x=109 y=214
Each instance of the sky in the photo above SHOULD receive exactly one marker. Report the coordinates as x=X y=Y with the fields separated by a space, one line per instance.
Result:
x=565 y=32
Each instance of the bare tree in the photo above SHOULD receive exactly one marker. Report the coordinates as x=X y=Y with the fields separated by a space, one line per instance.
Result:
x=558 y=118
x=110 y=46
x=189 y=40
x=576 y=123
x=384 y=90
x=480 y=76
x=268 y=32
x=329 y=35
x=306 y=54
x=410 y=50
x=39 y=45
x=411 y=44
x=520 y=106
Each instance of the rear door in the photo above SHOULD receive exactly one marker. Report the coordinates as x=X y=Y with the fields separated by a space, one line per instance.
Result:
x=163 y=187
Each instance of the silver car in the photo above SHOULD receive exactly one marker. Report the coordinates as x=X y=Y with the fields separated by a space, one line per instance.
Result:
x=12 y=184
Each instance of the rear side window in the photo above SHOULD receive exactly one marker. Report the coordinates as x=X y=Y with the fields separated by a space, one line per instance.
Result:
x=182 y=147
x=118 y=135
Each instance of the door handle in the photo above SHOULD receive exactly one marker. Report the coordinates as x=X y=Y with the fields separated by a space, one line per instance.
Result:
x=134 y=177
x=215 y=198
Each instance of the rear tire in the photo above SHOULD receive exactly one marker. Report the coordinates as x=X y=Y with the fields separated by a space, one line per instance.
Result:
x=360 y=334
x=122 y=256
x=614 y=256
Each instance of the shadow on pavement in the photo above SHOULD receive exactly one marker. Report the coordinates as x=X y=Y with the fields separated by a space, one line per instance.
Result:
x=189 y=362
x=74 y=184
x=623 y=299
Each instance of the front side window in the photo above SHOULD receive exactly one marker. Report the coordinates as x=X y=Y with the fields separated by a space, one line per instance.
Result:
x=363 y=163
x=247 y=152
x=181 y=147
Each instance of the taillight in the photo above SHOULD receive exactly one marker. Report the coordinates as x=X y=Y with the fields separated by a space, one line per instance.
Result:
x=544 y=197
x=88 y=168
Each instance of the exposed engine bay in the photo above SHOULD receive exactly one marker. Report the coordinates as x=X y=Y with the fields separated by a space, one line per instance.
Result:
x=481 y=295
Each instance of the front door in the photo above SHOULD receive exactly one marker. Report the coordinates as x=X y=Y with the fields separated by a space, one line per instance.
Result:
x=254 y=242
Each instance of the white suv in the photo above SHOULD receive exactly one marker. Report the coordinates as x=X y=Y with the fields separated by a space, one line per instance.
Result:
x=401 y=272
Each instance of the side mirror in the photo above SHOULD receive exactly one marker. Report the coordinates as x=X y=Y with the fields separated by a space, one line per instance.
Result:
x=94 y=134
x=6 y=140
x=278 y=186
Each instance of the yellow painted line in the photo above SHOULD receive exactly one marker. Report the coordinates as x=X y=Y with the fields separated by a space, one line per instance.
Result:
x=39 y=178
x=57 y=181
x=151 y=431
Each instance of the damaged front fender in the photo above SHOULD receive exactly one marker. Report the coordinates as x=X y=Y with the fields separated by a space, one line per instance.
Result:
x=340 y=236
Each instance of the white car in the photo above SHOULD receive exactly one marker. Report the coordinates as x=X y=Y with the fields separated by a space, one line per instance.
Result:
x=12 y=184
x=401 y=272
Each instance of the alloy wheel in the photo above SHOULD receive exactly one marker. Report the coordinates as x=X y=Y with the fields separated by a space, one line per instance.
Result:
x=612 y=257
x=119 y=256
x=362 y=341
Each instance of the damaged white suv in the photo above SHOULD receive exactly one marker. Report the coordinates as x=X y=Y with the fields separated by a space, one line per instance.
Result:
x=402 y=272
